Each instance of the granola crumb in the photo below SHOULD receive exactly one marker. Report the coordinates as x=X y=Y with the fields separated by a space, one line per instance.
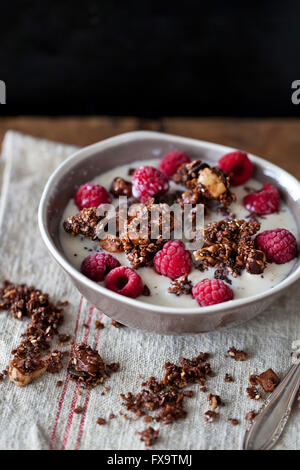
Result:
x=146 y=291
x=181 y=286
x=253 y=393
x=78 y=410
x=210 y=416
x=101 y=421
x=59 y=383
x=228 y=378
x=237 y=354
x=233 y=421
x=111 y=416
x=99 y=325
x=250 y=415
x=116 y=324
x=149 y=436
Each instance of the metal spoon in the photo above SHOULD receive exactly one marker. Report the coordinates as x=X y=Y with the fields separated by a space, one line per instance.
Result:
x=271 y=420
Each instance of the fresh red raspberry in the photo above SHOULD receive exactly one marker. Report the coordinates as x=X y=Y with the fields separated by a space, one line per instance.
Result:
x=124 y=281
x=173 y=260
x=238 y=165
x=97 y=265
x=147 y=182
x=279 y=245
x=172 y=161
x=91 y=195
x=265 y=201
x=211 y=292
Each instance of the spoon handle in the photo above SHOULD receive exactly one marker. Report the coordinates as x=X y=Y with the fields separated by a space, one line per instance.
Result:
x=271 y=420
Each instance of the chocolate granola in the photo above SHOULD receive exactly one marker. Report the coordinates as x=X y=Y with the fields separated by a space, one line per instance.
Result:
x=84 y=223
x=30 y=357
x=166 y=397
x=149 y=436
x=181 y=286
x=87 y=367
x=228 y=245
x=205 y=182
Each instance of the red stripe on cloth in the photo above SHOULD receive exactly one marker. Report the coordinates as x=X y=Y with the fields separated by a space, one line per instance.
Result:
x=63 y=393
x=75 y=396
x=81 y=425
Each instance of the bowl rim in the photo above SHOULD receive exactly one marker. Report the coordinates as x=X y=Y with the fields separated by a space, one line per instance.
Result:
x=84 y=152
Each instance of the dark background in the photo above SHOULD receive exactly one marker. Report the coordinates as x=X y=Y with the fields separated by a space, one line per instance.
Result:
x=150 y=58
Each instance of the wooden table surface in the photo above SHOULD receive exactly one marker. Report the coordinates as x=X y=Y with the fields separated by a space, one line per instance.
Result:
x=277 y=140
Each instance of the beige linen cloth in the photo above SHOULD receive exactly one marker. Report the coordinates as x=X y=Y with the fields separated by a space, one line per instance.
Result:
x=41 y=416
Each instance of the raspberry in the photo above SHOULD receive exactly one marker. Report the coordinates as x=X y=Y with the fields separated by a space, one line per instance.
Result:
x=173 y=260
x=211 y=292
x=91 y=195
x=124 y=281
x=147 y=182
x=172 y=161
x=279 y=245
x=97 y=265
x=238 y=165
x=265 y=201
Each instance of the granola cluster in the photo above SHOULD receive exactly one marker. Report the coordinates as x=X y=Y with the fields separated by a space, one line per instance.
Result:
x=165 y=398
x=228 y=245
x=87 y=367
x=205 y=184
x=30 y=357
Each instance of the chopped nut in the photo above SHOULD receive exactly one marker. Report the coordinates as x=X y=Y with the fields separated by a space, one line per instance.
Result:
x=237 y=354
x=146 y=291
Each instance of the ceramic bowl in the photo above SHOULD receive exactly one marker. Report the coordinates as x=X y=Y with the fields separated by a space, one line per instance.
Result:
x=91 y=161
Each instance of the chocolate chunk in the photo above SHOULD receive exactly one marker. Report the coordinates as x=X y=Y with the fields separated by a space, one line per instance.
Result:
x=268 y=380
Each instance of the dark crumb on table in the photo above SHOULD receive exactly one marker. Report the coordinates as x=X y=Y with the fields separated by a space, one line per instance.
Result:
x=101 y=421
x=214 y=401
x=268 y=380
x=253 y=380
x=59 y=383
x=131 y=171
x=99 y=325
x=146 y=291
x=116 y=324
x=181 y=286
x=111 y=416
x=253 y=393
x=210 y=416
x=228 y=378
x=85 y=325
x=149 y=436
x=87 y=367
x=203 y=389
x=237 y=354
x=78 y=410
x=233 y=421
x=250 y=415
x=166 y=397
